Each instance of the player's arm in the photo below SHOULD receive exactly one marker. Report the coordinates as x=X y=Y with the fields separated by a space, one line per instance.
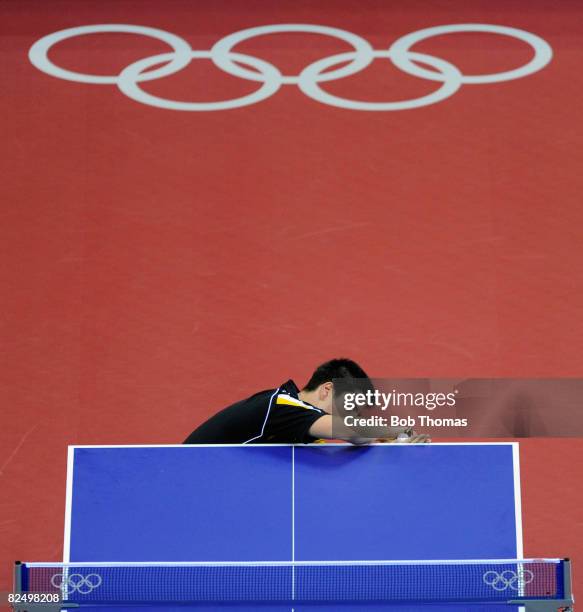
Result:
x=329 y=427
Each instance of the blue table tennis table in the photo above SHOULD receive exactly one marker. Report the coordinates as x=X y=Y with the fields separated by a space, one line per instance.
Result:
x=288 y=505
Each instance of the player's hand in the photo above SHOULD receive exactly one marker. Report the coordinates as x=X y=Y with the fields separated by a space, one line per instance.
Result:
x=412 y=438
x=418 y=439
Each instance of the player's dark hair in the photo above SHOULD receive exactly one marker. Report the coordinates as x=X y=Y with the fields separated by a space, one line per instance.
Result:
x=336 y=369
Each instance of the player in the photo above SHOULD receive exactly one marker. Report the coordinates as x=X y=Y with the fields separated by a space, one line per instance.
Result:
x=288 y=415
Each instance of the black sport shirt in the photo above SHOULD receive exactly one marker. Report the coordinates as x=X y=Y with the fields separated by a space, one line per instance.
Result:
x=272 y=416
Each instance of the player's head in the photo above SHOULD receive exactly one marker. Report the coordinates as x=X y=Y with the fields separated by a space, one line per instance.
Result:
x=335 y=378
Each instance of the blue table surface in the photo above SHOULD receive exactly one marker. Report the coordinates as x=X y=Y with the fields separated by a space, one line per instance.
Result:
x=302 y=503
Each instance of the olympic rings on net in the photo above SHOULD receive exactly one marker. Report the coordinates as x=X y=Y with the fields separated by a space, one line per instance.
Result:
x=508 y=579
x=72 y=583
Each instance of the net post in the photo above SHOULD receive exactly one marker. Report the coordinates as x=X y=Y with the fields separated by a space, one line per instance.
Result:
x=17 y=582
x=552 y=605
x=567 y=594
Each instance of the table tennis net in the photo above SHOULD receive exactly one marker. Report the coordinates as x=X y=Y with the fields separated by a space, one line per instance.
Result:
x=487 y=581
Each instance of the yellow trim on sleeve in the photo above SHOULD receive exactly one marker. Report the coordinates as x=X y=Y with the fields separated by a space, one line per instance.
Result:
x=286 y=400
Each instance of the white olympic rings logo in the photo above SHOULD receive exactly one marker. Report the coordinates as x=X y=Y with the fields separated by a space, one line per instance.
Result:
x=72 y=583
x=508 y=579
x=449 y=78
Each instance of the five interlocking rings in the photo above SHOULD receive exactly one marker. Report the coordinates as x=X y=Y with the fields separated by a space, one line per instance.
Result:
x=508 y=579
x=270 y=77
x=72 y=583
